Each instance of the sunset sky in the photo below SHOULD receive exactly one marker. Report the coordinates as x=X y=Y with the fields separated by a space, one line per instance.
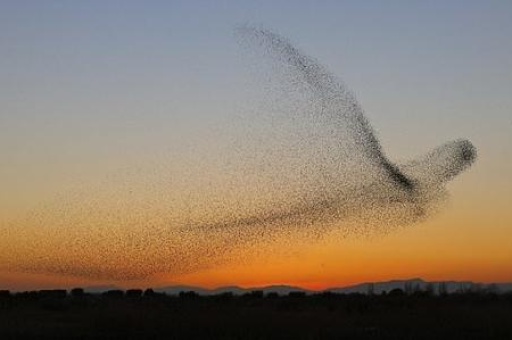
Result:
x=88 y=89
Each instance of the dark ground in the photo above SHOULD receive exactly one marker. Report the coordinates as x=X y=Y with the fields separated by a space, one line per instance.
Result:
x=137 y=315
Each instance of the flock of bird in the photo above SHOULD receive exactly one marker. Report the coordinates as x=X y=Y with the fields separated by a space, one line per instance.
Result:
x=312 y=164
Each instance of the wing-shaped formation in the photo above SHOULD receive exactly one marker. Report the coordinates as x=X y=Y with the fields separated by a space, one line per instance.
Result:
x=341 y=109
x=337 y=104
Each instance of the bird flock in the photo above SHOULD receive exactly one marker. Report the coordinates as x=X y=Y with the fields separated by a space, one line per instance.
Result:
x=308 y=163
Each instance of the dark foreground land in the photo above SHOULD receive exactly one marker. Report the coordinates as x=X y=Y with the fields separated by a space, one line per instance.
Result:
x=147 y=315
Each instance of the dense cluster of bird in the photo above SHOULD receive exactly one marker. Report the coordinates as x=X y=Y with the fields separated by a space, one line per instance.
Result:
x=308 y=163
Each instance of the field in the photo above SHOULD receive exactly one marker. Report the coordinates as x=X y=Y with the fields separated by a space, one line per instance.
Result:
x=135 y=314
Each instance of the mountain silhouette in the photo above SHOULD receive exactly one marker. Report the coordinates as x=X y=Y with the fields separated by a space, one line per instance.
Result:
x=363 y=288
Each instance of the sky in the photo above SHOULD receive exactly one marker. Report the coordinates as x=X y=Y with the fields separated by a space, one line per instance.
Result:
x=87 y=88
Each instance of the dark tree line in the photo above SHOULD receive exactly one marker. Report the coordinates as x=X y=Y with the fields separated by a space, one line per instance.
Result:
x=407 y=313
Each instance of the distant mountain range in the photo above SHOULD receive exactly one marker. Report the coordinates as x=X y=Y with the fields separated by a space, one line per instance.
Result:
x=364 y=288
x=279 y=289
x=419 y=284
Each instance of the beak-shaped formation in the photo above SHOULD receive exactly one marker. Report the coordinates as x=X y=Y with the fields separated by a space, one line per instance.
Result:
x=441 y=164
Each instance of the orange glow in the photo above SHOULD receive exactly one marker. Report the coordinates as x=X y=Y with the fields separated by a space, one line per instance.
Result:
x=452 y=246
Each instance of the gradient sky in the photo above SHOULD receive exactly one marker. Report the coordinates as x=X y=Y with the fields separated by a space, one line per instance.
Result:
x=89 y=87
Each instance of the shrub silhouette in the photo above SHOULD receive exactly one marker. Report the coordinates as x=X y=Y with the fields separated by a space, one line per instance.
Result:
x=114 y=293
x=77 y=292
x=188 y=295
x=53 y=293
x=396 y=292
x=296 y=294
x=134 y=293
x=272 y=295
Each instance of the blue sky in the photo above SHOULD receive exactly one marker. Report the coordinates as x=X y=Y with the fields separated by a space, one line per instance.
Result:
x=85 y=83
